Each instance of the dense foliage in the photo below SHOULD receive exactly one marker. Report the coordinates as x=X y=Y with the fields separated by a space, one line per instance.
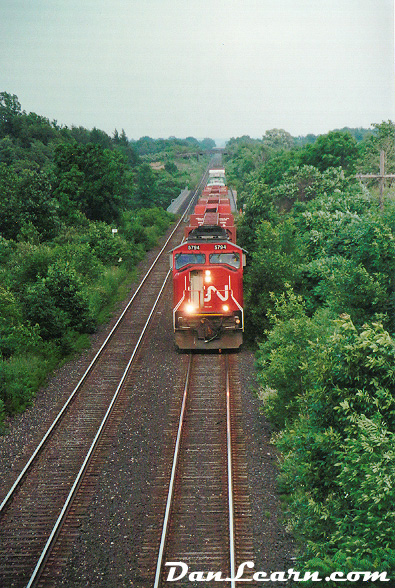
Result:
x=62 y=192
x=149 y=146
x=320 y=302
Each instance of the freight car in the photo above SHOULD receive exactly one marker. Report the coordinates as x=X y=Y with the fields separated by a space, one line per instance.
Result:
x=207 y=271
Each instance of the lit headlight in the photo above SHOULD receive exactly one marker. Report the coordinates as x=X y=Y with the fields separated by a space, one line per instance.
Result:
x=225 y=308
x=190 y=308
x=207 y=276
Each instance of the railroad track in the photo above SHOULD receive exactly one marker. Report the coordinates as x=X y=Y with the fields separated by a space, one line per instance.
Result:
x=43 y=497
x=206 y=522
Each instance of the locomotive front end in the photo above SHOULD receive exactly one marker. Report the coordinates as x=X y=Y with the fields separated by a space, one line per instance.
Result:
x=208 y=296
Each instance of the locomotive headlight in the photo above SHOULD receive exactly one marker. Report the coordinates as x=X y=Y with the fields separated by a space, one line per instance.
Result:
x=189 y=308
x=207 y=276
x=225 y=308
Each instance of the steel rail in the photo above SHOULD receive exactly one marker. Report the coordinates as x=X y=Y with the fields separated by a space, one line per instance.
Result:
x=87 y=372
x=233 y=198
x=172 y=477
x=100 y=431
x=230 y=481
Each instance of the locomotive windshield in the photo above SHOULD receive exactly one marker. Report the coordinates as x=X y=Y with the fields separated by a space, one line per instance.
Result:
x=232 y=259
x=183 y=259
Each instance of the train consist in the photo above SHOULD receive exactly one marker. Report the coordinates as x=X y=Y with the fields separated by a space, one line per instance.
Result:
x=208 y=274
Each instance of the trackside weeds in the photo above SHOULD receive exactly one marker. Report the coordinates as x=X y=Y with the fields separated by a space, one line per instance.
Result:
x=179 y=570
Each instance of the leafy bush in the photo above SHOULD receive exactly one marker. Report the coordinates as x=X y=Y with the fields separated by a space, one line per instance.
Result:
x=91 y=179
x=57 y=303
x=143 y=227
x=108 y=247
x=344 y=287
x=27 y=201
x=338 y=452
x=280 y=358
x=16 y=336
x=83 y=261
x=20 y=377
x=28 y=263
x=271 y=266
x=105 y=290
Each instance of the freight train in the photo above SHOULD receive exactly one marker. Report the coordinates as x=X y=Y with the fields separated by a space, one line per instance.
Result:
x=207 y=272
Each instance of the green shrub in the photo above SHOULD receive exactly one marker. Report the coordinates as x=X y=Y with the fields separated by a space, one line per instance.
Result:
x=270 y=267
x=344 y=287
x=337 y=470
x=20 y=377
x=107 y=247
x=142 y=228
x=28 y=263
x=105 y=290
x=16 y=335
x=286 y=349
x=83 y=261
x=57 y=303
x=6 y=249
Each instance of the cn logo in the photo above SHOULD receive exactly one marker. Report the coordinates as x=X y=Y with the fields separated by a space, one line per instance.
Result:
x=212 y=289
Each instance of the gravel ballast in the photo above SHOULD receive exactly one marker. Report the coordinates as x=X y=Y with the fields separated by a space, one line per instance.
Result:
x=112 y=534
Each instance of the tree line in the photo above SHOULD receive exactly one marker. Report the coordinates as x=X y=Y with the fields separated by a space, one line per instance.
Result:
x=150 y=146
x=320 y=301
x=62 y=192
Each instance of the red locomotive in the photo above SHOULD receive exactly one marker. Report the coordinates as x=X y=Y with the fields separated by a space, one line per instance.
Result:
x=208 y=275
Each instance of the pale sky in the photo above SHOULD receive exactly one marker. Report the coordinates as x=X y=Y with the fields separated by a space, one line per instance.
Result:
x=202 y=68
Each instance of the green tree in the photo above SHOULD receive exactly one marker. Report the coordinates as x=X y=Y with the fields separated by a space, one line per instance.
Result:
x=336 y=469
x=123 y=144
x=207 y=144
x=274 y=169
x=93 y=179
x=283 y=353
x=272 y=265
x=10 y=111
x=57 y=303
x=145 y=195
x=332 y=150
x=35 y=128
x=8 y=151
x=278 y=139
x=9 y=203
x=193 y=142
x=382 y=139
x=99 y=137
x=26 y=201
x=15 y=335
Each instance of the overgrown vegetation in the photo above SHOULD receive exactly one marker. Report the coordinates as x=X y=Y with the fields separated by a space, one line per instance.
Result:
x=320 y=307
x=62 y=192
